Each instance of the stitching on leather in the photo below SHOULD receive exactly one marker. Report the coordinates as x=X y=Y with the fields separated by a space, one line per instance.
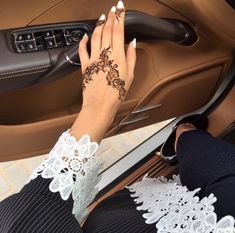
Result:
x=25 y=70
x=18 y=75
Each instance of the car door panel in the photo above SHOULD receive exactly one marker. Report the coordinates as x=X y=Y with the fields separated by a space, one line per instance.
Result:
x=181 y=95
x=21 y=14
x=170 y=79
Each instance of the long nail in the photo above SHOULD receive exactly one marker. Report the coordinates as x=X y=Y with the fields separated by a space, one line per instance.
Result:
x=85 y=35
x=120 y=10
x=120 y=5
x=134 y=43
x=113 y=9
x=102 y=17
x=101 y=20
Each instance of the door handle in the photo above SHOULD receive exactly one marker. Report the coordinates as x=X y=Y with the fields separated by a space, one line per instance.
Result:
x=144 y=26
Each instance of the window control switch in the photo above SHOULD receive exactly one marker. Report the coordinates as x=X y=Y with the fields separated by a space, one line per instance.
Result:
x=30 y=46
x=39 y=38
x=50 y=43
x=21 y=47
x=28 y=36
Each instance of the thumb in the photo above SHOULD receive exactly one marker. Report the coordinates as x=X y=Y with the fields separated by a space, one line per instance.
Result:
x=131 y=60
x=83 y=53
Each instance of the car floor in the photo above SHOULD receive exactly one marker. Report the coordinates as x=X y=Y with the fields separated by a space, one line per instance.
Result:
x=14 y=174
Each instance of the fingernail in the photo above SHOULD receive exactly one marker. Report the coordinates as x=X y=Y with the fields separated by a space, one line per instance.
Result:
x=102 y=18
x=134 y=43
x=85 y=35
x=120 y=5
x=113 y=9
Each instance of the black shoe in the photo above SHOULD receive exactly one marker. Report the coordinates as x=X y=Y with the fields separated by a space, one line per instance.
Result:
x=167 y=151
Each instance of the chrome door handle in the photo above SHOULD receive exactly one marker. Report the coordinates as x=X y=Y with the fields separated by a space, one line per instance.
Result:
x=145 y=108
x=133 y=120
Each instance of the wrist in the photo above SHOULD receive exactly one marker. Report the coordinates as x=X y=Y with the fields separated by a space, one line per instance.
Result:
x=93 y=123
x=99 y=115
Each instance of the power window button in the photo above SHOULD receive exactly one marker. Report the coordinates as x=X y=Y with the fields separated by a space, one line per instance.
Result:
x=19 y=38
x=29 y=36
x=48 y=34
x=50 y=44
x=30 y=46
x=21 y=47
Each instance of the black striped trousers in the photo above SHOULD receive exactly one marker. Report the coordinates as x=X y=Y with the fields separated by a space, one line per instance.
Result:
x=36 y=209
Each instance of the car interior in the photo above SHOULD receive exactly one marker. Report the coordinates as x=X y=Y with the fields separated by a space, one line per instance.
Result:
x=185 y=64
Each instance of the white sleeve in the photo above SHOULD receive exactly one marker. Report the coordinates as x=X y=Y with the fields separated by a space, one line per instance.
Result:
x=73 y=169
x=173 y=208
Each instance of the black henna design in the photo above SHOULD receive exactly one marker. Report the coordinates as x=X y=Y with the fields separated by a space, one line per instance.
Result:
x=118 y=13
x=105 y=64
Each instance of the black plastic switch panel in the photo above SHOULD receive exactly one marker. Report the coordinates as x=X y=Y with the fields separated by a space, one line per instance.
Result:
x=41 y=38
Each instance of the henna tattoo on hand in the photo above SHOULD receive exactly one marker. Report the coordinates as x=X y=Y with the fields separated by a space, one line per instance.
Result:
x=106 y=65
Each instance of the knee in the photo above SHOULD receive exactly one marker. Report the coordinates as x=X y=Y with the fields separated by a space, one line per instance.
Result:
x=181 y=129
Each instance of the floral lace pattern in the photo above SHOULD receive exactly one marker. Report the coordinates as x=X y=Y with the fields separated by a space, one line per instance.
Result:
x=73 y=168
x=175 y=209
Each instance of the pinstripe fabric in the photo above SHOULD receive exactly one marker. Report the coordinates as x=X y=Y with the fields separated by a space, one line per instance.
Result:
x=36 y=209
x=117 y=214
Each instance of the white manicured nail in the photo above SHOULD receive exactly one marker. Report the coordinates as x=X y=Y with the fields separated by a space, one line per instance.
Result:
x=134 y=43
x=113 y=9
x=102 y=18
x=85 y=35
x=120 y=5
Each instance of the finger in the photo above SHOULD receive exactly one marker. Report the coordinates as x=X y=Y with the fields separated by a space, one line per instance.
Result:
x=83 y=53
x=96 y=38
x=131 y=61
x=118 y=28
x=108 y=29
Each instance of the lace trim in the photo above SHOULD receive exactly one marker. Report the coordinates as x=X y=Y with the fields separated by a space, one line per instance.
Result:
x=73 y=168
x=175 y=209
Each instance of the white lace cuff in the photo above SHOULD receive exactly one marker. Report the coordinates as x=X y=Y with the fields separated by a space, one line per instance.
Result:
x=73 y=168
x=173 y=208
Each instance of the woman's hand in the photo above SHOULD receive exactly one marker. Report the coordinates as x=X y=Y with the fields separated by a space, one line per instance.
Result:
x=107 y=74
